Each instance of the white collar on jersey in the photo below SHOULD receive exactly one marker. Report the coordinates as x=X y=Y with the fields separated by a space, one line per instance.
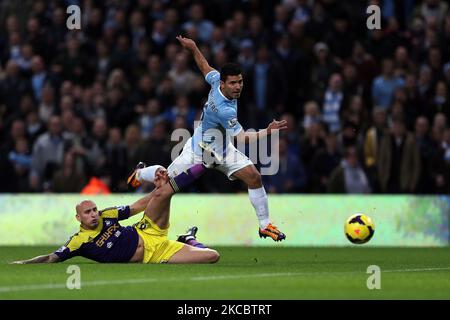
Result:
x=223 y=95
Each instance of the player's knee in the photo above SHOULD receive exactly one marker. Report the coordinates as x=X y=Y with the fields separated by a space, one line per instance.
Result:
x=255 y=180
x=163 y=193
x=212 y=256
x=157 y=193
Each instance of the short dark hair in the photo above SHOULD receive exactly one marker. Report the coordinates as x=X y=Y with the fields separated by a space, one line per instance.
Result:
x=229 y=69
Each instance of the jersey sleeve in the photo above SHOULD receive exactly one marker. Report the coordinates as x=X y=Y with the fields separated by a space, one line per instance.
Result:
x=70 y=249
x=120 y=213
x=213 y=77
x=228 y=120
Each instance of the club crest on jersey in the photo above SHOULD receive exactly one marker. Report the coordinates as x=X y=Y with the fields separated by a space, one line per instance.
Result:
x=232 y=122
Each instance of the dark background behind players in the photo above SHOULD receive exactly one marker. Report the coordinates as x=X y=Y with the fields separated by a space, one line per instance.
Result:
x=94 y=102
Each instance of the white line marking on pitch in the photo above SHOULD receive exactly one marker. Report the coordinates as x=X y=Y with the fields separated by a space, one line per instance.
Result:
x=417 y=270
x=199 y=278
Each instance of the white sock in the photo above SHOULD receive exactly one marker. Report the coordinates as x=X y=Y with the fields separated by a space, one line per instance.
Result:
x=258 y=198
x=147 y=173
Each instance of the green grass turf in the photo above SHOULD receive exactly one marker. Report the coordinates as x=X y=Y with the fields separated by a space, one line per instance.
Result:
x=242 y=273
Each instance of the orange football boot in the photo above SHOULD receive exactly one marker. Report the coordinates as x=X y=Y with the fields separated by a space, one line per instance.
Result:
x=132 y=179
x=273 y=232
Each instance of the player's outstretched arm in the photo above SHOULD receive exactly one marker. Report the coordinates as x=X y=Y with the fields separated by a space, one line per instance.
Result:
x=48 y=258
x=253 y=136
x=199 y=58
x=140 y=204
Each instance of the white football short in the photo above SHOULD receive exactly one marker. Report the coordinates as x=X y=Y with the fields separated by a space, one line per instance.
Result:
x=233 y=161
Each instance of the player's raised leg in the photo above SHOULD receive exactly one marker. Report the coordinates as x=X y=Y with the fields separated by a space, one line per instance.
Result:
x=259 y=200
x=158 y=208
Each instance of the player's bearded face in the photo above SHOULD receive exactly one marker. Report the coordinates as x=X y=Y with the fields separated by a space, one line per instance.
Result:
x=232 y=87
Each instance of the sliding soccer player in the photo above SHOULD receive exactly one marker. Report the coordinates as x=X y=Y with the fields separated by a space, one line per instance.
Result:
x=101 y=238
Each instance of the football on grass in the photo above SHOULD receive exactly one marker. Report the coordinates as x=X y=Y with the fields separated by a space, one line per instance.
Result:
x=359 y=229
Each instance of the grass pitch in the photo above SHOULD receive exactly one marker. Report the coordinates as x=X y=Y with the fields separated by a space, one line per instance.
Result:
x=242 y=273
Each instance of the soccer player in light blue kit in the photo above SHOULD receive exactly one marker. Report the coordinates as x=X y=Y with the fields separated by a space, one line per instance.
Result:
x=213 y=136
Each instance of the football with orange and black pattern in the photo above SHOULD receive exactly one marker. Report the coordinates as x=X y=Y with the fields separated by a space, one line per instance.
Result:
x=359 y=228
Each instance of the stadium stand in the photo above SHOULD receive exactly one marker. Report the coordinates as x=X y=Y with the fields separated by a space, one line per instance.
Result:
x=368 y=110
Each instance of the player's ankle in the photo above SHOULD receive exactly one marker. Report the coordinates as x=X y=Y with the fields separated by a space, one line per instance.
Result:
x=195 y=243
x=263 y=224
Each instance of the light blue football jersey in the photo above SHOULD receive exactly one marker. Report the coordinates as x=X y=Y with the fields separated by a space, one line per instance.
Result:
x=218 y=121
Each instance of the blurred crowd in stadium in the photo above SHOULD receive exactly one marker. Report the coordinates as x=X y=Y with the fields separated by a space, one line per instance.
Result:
x=368 y=110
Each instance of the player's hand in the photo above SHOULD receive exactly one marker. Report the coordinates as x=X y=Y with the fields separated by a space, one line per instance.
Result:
x=161 y=177
x=162 y=174
x=17 y=262
x=187 y=43
x=276 y=125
